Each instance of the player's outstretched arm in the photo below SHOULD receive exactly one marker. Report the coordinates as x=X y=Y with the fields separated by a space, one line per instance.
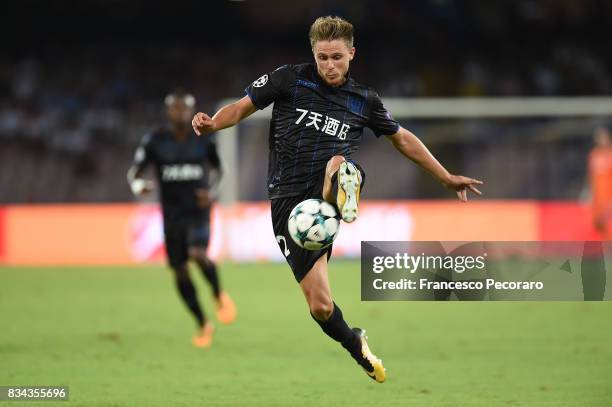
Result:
x=226 y=117
x=142 y=158
x=411 y=147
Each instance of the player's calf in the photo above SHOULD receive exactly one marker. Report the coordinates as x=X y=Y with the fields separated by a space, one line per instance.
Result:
x=330 y=183
x=188 y=293
x=226 y=308
x=207 y=267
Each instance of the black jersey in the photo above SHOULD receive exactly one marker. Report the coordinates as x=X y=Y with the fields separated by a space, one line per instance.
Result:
x=311 y=122
x=182 y=167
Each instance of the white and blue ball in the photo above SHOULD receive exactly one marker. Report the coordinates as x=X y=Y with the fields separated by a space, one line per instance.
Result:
x=314 y=224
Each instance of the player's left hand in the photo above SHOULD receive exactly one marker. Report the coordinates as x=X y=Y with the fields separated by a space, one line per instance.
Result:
x=462 y=185
x=202 y=124
x=141 y=186
x=204 y=198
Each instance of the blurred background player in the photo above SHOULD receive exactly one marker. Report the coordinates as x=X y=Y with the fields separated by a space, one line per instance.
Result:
x=600 y=174
x=188 y=171
x=317 y=123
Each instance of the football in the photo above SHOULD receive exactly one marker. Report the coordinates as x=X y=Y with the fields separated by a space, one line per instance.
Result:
x=314 y=224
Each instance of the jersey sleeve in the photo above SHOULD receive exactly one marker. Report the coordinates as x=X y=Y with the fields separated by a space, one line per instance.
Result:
x=144 y=154
x=270 y=87
x=380 y=121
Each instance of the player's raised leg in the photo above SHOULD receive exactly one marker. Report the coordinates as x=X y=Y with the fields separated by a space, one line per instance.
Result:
x=315 y=286
x=226 y=309
x=342 y=186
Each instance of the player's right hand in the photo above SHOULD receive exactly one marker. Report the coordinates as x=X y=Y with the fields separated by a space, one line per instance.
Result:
x=202 y=124
x=141 y=186
x=203 y=197
x=462 y=185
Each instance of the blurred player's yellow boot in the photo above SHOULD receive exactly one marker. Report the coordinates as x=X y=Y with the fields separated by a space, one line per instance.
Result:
x=349 y=187
x=372 y=365
x=226 y=309
x=205 y=336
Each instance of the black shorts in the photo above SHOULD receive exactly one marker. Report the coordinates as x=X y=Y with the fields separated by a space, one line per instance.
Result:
x=300 y=260
x=181 y=235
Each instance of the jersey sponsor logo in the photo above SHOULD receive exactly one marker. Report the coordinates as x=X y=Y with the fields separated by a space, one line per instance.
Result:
x=308 y=84
x=261 y=81
x=181 y=172
x=329 y=125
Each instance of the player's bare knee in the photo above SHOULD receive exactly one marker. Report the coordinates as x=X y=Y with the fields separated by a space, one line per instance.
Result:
x=333 y=164
x=198 y=254
x=322 y=309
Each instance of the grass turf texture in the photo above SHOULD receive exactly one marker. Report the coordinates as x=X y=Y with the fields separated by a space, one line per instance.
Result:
x=120 y=337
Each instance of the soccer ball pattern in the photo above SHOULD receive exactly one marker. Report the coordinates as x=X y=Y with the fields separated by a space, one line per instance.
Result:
x=313 y=224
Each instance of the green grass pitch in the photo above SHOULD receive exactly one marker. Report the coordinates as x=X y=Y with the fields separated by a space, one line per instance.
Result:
x=120 y=337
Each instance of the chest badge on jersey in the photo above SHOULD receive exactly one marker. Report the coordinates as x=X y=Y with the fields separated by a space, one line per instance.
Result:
x=356 y=105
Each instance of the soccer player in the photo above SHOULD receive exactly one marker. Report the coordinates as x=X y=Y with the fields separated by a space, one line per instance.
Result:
x=600 y=174
x=188 y=172
x=318 y=119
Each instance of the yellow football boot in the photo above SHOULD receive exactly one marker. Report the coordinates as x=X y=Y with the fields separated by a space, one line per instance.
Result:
x=349 y=188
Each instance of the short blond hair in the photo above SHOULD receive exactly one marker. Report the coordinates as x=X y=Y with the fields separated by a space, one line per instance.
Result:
x=331 y=28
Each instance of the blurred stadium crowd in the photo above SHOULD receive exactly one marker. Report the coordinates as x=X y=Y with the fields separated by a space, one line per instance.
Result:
x=77 y=94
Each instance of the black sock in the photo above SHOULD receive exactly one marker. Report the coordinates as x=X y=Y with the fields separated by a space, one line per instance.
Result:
x=209 y=270
x=189 y=295
x=336 y=328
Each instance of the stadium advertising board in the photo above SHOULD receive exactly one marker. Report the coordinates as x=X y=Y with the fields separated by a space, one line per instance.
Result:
x=131 y=233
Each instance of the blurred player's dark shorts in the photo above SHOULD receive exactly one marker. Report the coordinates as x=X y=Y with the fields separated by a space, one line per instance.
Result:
x=300 y=260
x=181 y=235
